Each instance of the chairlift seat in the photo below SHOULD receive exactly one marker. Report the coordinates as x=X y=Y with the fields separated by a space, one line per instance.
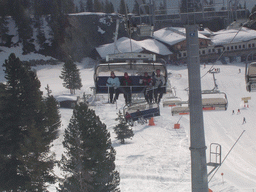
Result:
x=136 y=86
x=180 y=111
x=146 y=110
x=146 y=114
x=145 y=30
x=172 y=101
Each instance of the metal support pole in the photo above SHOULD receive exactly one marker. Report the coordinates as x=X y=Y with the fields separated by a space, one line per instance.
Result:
x=197 y=138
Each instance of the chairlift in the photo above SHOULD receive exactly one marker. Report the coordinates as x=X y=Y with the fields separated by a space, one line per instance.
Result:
x=250 y=77
x=146 y=23
x=171 y=100
x=212 y=100
x=135 y=64
x=141 y=110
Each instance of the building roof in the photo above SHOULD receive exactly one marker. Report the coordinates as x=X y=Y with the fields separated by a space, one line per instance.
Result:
x=174 y=35
x=125 y=45
x=228 y=36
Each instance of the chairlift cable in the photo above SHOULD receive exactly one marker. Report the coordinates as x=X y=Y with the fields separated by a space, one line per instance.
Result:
x=128 y=25
x=222 y=52
x=220 y=55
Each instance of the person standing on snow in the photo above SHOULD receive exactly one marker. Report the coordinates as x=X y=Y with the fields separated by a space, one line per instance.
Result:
x=244 y=121
x=113 y=84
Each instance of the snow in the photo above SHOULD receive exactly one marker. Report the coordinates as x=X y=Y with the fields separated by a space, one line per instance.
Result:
x=233 y=35
x=157 y=158
x=100 y=30
x=124 y=45
x=174 y=35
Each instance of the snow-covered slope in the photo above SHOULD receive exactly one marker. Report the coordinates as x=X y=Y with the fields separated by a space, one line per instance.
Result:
x=158 y=157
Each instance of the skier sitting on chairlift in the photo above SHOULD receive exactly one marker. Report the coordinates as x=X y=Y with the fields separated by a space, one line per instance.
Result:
x=159 y=82
x=126 y=82
x=113 y=84
x=146 y=80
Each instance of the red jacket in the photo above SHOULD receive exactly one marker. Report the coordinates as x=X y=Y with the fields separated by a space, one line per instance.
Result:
x=126 y=81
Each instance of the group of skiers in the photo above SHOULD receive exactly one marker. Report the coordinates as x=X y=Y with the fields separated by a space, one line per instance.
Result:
x=153 y=86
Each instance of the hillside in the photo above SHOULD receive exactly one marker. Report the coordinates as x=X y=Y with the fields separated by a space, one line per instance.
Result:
x=158 y=157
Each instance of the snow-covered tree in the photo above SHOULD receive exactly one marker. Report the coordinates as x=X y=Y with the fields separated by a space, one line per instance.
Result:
x=71 y=76
x=122 y=130
x=89 y=157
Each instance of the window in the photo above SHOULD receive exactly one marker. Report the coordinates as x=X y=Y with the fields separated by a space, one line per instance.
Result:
x=253 y=45
x=232 y=47
x=203 y=52
x=209 y=50
x=236 y=47
x=244 y=46
x=213 y=50
x=249 y=45
x=184 y=54
x=228 y=48
x=240 y=46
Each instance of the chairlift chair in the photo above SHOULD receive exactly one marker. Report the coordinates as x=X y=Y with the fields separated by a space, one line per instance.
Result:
x=146 y=110
x=212 y=100
x=146 y=20
x=135 y=64
x=250 y=77
x=172 y=101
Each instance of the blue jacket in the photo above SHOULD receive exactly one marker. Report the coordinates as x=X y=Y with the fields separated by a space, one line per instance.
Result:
x=113 y=82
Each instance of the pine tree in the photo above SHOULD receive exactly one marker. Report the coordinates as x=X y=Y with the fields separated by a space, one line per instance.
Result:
x=26 y=163
x=3 y=21
x=71 y=76
x=253 y=9
x=24 y=24
x=97 y=6
x=112 y=9
x=89 y=6
x=122 y=7
x=107 y=7
x=136 y=8
x=89 y=157
x=81 y=6
x=122 y=130
x=51 y=117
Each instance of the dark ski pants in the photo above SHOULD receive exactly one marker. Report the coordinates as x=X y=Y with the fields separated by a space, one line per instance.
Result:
x=113 y=91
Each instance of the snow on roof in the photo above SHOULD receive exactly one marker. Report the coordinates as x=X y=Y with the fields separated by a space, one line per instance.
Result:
x=227 y=36
x=91 y=13
x=155 y=46
x=206 y=32
x=66 y=98
x=173 y=35
x=125 y=45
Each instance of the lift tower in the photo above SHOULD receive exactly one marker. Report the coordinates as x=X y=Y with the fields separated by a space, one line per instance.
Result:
x=197 y=136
